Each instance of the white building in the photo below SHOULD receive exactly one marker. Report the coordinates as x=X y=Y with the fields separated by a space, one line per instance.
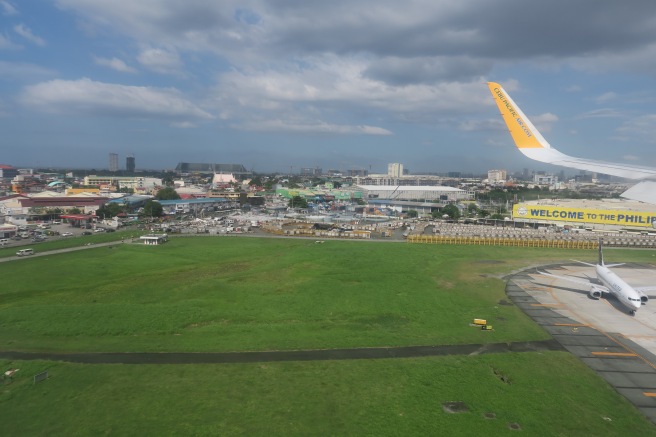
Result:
x=113 y=162
x=496 y=175
x=395 y=170
x=410 y=192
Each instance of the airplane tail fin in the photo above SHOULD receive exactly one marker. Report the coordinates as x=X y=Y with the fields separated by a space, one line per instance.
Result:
x=523 y=133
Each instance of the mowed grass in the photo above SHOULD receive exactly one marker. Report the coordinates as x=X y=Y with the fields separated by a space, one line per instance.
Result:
x=230 y=294
x=546 y=394
x=222 y=294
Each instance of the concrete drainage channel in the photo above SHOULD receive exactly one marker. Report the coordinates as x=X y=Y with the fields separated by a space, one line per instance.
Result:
x=625 y=365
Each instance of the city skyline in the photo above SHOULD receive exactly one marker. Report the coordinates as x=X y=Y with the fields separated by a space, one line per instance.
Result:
x=343 y=85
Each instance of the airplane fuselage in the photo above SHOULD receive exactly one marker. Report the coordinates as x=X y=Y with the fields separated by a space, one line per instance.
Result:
x=624 y=293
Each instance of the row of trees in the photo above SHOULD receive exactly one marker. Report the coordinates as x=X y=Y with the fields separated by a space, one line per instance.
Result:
x=453 y=212
x=150 y=209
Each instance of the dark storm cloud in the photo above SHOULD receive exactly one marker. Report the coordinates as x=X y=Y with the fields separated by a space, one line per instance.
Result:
x=400 y=71
x=507 y=28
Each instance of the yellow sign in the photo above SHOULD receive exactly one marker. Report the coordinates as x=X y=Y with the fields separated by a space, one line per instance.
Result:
x=584 y=215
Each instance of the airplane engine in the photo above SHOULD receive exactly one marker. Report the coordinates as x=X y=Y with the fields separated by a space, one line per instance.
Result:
x=643 y=298
x=595 y=293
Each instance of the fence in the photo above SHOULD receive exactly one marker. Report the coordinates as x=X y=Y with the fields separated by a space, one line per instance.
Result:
x=514 y=242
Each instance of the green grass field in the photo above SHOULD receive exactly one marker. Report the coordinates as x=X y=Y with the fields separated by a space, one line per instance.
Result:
x=230 y=294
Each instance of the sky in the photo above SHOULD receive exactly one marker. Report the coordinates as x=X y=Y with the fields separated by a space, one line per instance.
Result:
x=280 y=85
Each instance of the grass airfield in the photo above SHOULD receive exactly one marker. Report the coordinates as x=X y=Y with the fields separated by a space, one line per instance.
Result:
x=241 y=294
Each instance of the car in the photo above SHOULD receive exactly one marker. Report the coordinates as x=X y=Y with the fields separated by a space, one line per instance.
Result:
x=25 y=252
x=99 y=230
x=87 y=233
x=66 y=234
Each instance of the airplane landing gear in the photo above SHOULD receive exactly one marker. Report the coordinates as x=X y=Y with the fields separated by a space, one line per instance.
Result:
x=632 y=313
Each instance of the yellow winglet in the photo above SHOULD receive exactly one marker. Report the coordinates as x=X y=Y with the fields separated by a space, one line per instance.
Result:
x=521 y=129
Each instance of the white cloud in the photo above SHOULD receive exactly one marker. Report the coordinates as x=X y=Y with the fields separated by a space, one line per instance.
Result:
x=114 y=64
x=26 y=33
x=183 y=124
x=631 y=158
x=310 y=126
x=160 y=60
x=23 y=71
x=641 y=129
x=544 y=122
x=602 y=113
x=605 y=97
x=8 y=8
x=88 y=97
x=6 y=44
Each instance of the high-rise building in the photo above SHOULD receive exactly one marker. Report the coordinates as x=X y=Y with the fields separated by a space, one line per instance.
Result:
x=395 y=170
x=130 y=164
x=113 y=162
x=497 y=175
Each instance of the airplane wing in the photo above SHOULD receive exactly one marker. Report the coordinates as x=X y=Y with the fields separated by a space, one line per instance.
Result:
x=577 y=281
x=645 y=290
x=531 y=143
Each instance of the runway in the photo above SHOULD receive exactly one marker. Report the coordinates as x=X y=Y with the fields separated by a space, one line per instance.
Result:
x=619 y=347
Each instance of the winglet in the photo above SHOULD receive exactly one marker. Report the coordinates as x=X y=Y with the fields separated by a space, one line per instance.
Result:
x=525 y=135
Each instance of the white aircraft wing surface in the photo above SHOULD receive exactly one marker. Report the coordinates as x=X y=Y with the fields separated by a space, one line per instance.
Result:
x=645 y=290
x=576 y=281
x=531 y=143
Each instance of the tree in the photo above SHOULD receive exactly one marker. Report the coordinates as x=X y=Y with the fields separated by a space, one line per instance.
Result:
x=152 y=209
x=452 y=211
x=109 y=210
x=298 y=202
x=167 y=193
x=412 y=213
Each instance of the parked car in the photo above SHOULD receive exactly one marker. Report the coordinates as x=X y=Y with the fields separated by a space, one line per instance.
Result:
x=100 y=230
x=87 y=233
x=66 y=234
x=25 y=252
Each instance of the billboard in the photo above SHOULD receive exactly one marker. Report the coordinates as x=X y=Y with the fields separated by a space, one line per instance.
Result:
x=585 y=215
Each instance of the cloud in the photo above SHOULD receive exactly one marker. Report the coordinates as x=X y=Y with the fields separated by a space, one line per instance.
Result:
x=160 y=61
x=87 y=97
x=601 y=113
x=314 y=127
x=8 y=8
x=605 y=97
x=23 y=71
x=115 y=64
x=631 y=158
x=6 y=44
x=544 y=122
x=26 y=33
x=640 y=129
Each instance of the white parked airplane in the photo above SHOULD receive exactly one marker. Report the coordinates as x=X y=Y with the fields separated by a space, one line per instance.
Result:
x=532 y=144
x=630 y=297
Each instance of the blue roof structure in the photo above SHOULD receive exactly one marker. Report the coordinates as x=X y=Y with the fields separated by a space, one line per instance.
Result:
x=199 y=201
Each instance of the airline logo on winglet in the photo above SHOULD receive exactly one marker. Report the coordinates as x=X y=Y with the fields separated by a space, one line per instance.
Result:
x=525 y=139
